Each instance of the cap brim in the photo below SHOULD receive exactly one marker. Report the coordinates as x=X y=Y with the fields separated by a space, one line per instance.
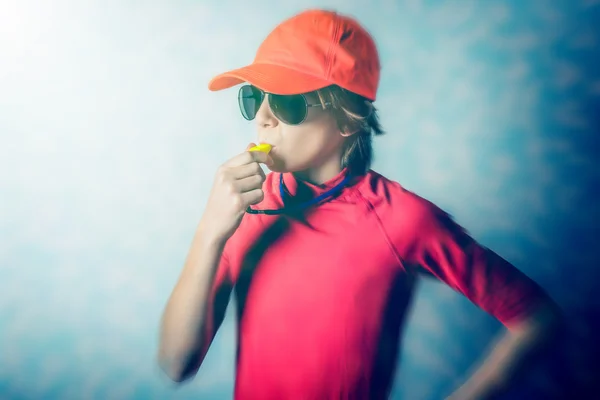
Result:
x=270 y=78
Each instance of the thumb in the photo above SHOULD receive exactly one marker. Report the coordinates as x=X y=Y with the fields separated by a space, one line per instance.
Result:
x=269 y=162
x=251 y=145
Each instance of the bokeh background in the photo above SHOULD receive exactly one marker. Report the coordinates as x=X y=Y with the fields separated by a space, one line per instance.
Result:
x=109 y=141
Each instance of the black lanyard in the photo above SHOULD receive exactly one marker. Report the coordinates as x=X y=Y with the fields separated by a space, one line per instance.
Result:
x=319 y=199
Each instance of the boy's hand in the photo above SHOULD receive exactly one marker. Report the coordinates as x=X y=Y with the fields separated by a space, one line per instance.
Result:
x=237 y=185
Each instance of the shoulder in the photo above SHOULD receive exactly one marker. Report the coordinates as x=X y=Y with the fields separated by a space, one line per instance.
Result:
x=392 y=199
x=402 y=212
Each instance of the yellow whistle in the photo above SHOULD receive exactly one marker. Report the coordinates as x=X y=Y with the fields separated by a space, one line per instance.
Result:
x=264 y=147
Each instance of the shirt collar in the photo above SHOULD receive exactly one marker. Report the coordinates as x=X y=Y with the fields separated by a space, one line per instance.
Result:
x=303 y=190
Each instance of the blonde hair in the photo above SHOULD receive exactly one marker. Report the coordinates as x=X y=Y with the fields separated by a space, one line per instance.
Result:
x=354 y=115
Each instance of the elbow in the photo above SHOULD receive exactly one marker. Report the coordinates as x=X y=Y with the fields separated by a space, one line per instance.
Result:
x=172 y=371
x=179 y=368
x=551 y=320
x=544 y=326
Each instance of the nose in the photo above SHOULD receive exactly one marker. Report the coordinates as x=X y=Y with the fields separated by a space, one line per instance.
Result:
x=264 y=116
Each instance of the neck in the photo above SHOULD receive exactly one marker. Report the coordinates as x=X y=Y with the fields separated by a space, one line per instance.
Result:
x=319 y=175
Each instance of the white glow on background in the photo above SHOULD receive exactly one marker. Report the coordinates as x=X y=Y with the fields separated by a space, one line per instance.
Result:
x=104 y=166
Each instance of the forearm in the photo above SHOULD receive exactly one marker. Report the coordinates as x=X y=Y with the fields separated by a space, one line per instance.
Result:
x=511 y=354
x=185 y=314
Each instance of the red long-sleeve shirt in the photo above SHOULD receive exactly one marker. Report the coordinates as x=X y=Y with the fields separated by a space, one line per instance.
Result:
x=322 y=299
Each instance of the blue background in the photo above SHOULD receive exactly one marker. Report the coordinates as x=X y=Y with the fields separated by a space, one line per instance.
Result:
x=110 y=139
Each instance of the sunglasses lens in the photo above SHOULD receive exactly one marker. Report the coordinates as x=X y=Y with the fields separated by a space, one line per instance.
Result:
x=290 y=109
x=249 y=99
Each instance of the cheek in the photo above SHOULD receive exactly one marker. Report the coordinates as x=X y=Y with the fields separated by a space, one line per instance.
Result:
x=316 y=137
x=302 y=142
x=293 y=139
x=300 y=149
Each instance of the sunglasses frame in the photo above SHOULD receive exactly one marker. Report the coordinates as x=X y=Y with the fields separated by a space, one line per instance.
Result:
x=262 y=99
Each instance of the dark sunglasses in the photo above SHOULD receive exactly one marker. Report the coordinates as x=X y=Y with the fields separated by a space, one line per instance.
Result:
x=289 y=109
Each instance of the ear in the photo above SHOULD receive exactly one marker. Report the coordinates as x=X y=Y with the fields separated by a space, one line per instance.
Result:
x=348 y=133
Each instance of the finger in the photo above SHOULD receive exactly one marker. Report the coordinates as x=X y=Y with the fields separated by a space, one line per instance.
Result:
x=249 y=183
x=268 y=160
x=247 y=170
x=248 y=157
x=251 y=145
x=253 y=197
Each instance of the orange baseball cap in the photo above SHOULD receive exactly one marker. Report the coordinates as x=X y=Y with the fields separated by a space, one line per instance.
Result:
x=310 y=51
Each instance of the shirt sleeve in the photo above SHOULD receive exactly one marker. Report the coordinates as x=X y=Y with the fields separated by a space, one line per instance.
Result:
x=445 y=250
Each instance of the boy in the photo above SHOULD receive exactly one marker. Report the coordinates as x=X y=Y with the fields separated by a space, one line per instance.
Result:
x=322 y=254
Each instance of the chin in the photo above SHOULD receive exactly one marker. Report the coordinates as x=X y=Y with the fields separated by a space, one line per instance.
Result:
x=277 y=168
x=282 y=167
